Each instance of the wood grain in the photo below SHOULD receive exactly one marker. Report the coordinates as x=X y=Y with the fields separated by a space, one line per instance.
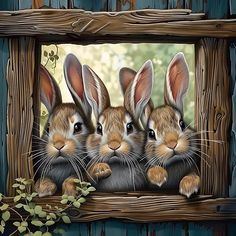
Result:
x=213 y=114
x=20 y=78
x=147 y=208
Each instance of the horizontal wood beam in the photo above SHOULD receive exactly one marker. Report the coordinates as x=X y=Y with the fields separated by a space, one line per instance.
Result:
x=146 y=208
x=58 y=23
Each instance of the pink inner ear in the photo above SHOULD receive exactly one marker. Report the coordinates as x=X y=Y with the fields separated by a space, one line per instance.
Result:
x=94 y=91
x=45 y=85
x=127 y=75
x=74 y=77
x=141 y=85
x=176 y=79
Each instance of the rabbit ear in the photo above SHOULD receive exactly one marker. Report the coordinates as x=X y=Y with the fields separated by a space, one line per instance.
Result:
x=126 y=76
x=95 y=91
x=74 y=81
x=139 y=92
x=177 y=79
x=50 y=94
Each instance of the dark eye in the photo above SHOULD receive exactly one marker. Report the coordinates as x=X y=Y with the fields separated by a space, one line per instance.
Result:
x=129 y=127
x=182 y=124
x=99 y=129
x=151 y=134
x=77 y=127
x=48 y=128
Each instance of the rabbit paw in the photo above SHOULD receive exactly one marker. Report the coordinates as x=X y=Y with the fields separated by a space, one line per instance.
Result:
x=69 y=187
x=45 y=187
x=100 y=171
x=157 y=175
x=189 y=184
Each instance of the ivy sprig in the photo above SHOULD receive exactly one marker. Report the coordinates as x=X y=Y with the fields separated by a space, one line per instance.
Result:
x=34 y=216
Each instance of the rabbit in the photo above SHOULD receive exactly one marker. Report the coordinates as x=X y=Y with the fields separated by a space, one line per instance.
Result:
x=60 y=158
x=171 y=148
x=116 y=146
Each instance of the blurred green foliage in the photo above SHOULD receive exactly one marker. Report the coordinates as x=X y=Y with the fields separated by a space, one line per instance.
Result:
x=107 y=59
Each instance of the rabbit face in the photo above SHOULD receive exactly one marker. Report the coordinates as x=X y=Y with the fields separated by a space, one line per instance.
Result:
x=168 y=137
x=116 y=138
x=65 y=132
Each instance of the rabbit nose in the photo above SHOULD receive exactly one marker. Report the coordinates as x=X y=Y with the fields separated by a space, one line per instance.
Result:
x=59 y=145
x=172 y=144
x=114 y=145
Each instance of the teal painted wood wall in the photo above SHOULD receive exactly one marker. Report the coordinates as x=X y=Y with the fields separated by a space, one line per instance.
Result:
x=213 y=9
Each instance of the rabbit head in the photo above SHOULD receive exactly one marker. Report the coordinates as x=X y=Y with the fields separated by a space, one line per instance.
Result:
x=118 y=137
x=169 y=138
x=68 y=124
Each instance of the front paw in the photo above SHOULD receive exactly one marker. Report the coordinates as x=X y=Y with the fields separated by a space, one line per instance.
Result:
x=69 y=187
x=45 y=187
x=157 y=175
x=100 y=171
x=189 y=184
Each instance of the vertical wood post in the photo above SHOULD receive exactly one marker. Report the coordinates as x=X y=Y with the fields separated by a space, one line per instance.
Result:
x=20 y=79
x=213 y=114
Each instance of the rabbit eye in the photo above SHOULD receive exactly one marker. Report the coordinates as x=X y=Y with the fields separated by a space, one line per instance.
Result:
x=182 y=124
x=151 y=134
x=48 y=128
x=99 y=129
x=77 y=127
x=129 y=127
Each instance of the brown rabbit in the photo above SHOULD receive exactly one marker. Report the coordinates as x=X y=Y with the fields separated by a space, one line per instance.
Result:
x=116 y=147
x=61 y=153
x=170 y=148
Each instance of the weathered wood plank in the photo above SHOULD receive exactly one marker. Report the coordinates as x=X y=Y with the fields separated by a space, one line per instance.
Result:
x=20 y=79
x=232 y=187
x=232 y=6
x=147 y=208
x=216 y=9
x=195 y=5
x=76 y=22
x=213 y=114
x=175 y=4
x=4 y=52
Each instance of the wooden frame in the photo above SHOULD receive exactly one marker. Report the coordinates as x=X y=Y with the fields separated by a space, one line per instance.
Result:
x=28 y=29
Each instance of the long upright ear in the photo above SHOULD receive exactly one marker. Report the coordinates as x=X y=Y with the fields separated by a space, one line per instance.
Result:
x=95 y=91
x=74 y=81
x=50 y=94
x=126 y=76
x=138 y=93
x=177 y=79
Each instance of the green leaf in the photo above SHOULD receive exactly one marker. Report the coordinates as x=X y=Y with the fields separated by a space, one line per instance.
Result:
x=17 y=198
x=47 y=234
x=19 y=205
x=3 y=223
x=53 y=215
x=1 y=196
x=6 y=215
x=45 y=53
x=38 y=209
x=56 y=57
x=15 y=185
x=37 y=233
x=66 y=219
x=29 y=198
x=1 y=229
x=50 y=222
x=37 y=223
x=76 y=204
x=22 y=187
x=84 y=192
x=23 y=195
x=52 y=52
x=81 y=200
x=64 y=196
x=4 y=207
x=42 y=214
x=64 y=201
x=19 y=191
x=34 y=194
x=77 y=181
x=24 y=223
x=71 y=198
x=21 y=229
x=16 y=223
x=91 y=189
